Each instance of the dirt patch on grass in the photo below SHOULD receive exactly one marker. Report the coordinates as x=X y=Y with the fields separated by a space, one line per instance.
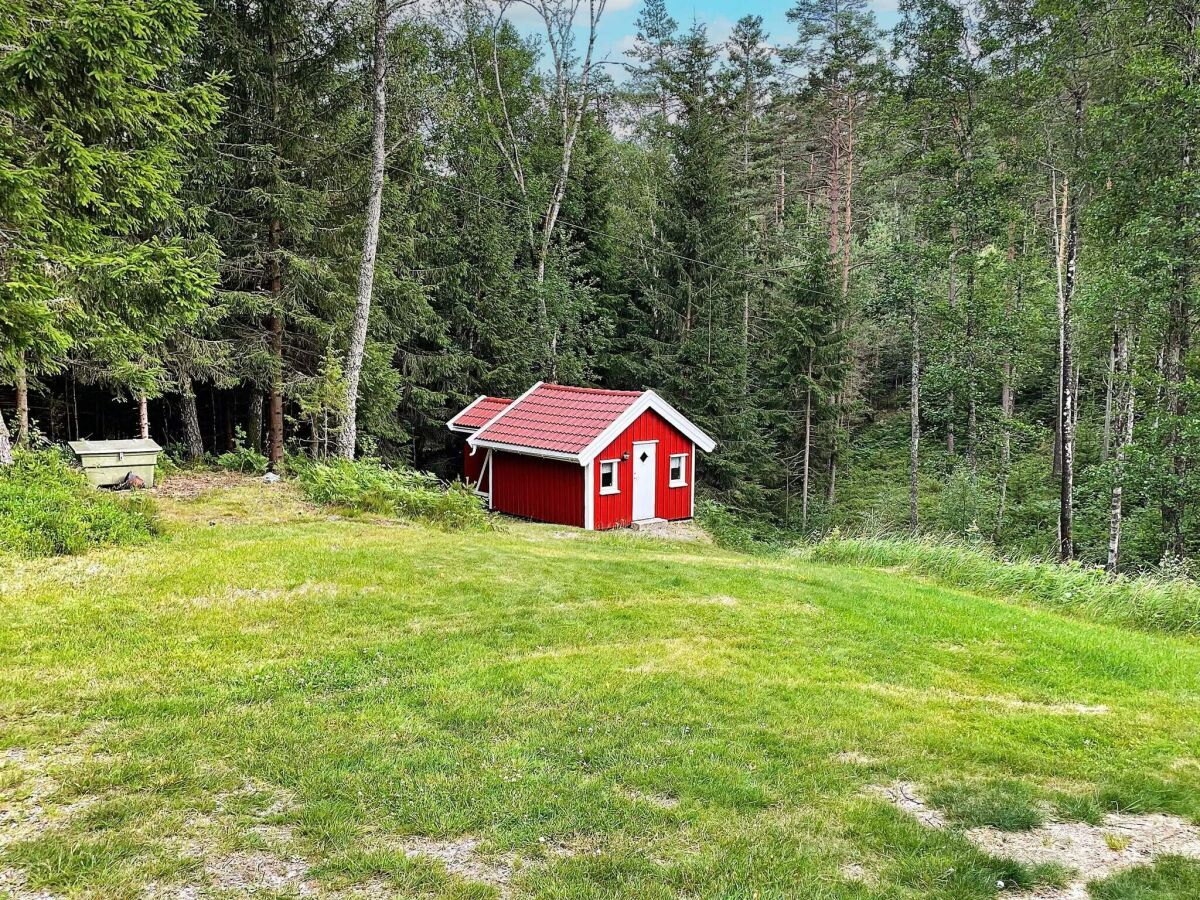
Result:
x=853 y=871
x=30 y=781
x=190 y=485
x=662 y=801
x=260 y=870
x=13 y=887
x=854 y=758
x=1097 y=851
x=673 y=531
x=1094 y=852
x=462 y=858
x=905 y=795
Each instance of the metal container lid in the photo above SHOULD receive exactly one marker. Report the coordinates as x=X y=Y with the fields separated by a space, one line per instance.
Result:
x=94 y=448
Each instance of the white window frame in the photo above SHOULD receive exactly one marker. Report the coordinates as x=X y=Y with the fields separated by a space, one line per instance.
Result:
x=682 y=481
x=616 y=485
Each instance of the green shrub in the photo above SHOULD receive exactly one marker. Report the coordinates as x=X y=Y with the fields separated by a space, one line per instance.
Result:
x=367 y=486
x=47 y=508
x=734 y=531
x=1160 y=604
x=246 y=460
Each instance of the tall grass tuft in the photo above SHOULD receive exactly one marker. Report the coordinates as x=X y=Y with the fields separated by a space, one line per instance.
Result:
x=47 y=508
x=1156 y=603
x=367 y=486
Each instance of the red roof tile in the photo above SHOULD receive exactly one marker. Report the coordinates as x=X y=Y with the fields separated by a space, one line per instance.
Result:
x=480 y=412
x=558 y=418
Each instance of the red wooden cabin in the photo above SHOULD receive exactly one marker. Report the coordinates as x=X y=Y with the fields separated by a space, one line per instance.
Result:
x=582 y=456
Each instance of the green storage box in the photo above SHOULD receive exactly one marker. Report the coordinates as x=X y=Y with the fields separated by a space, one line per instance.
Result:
x=106 y=463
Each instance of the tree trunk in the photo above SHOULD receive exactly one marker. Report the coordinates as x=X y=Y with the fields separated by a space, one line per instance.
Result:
x=275 y=425
x=835 y=187
x=1106 y=442
x=275 y=270
x=952 y=299
x=6 y=456
x=781 y=198
x=1178 y=321
x=348 y=438
x=22 y=402
x=848 y=211
x=192 y=440
x=1066 y=382
x=1006 y=385
x=143 y=417
x=807 y=442
x=972 y=406
x=1176 y=339
x=254 y=423
x=914 y=412
x=73 y=416
x=1122 y=369
x=831 y=474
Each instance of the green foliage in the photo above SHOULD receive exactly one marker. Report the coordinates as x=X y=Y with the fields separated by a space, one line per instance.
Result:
x=47 y=508
x=368 y=486
x=727 y=529
x=1138 y=601
x=98 y=249
x=246 y=460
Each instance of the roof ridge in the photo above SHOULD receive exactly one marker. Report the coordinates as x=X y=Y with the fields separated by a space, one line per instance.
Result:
x=591 y=390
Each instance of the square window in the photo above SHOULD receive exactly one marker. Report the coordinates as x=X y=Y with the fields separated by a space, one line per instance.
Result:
x=679 y=470
x=608 y=477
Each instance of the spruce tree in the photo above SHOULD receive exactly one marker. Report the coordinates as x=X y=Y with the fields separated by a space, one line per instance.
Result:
x=94 y=125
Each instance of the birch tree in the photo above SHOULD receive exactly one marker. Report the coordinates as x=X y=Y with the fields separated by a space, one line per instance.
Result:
x=572 y=86
x=348 y=436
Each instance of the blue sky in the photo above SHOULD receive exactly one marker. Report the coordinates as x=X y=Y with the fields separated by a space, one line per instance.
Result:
x=618 y=29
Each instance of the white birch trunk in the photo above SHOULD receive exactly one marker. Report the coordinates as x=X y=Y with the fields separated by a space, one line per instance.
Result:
x=914 y=438
x=22 y=402
x=6 y=456
x=1122 y=369
x=348 y=438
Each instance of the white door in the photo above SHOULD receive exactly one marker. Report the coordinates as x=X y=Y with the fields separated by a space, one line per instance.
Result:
x=643 y=480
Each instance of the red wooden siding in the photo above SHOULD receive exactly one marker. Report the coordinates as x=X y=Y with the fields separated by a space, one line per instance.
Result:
x=548 y=490
x=473 y=465
x=616 y=510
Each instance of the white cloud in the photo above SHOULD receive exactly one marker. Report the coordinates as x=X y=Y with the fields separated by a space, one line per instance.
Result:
x=624 y=45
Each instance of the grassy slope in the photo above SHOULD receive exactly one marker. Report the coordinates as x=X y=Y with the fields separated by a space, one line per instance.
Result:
x=534 y=690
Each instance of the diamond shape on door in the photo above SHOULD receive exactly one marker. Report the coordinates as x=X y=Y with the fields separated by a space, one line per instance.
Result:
x=644 y=456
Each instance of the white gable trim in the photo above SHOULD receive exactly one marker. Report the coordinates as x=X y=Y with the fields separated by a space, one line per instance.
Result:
x=484 y=427
x=521 y=450
x=453 y=423
x=648 y=400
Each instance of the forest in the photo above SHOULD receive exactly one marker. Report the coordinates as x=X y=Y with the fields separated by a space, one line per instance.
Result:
x=937 y=278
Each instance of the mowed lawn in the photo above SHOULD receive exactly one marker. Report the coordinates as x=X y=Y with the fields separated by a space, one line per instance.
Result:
x=276 y=699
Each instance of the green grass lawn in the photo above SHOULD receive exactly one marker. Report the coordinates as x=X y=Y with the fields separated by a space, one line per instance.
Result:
x=274 y=689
